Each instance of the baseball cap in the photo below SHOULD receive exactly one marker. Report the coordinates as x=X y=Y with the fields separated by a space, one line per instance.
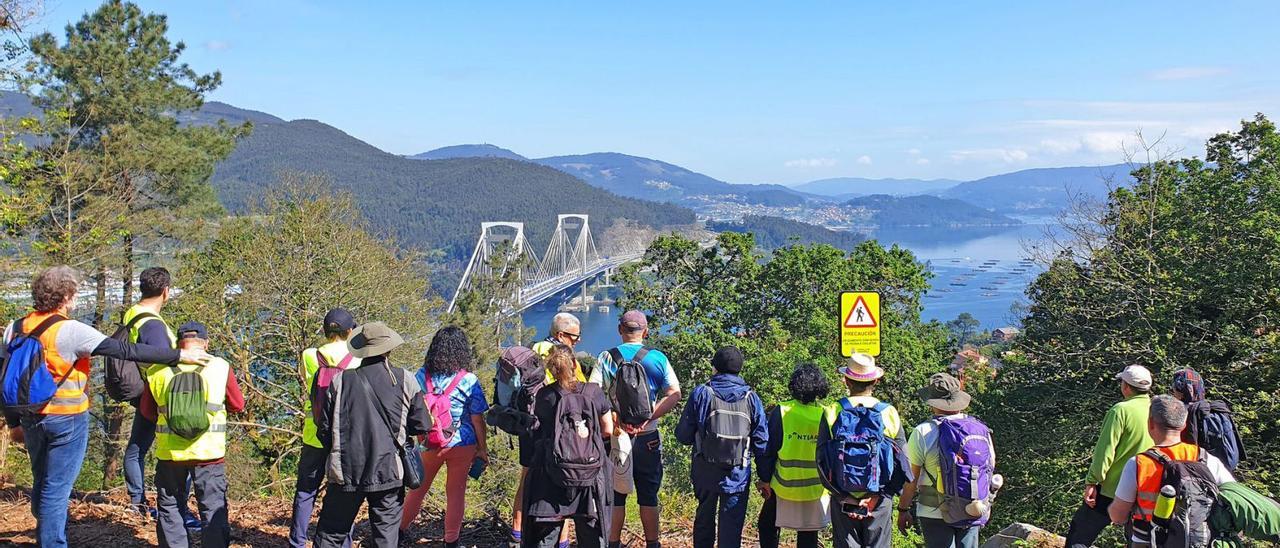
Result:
x=193 y=329
x=634 y=320
x=728 y=360
x=1136 y=376
x=338 y=320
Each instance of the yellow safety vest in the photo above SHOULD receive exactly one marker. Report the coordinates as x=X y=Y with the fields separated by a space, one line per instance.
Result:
x=796 y=476
x=212 y=444
x=133 y=332
x=334 y=353
x=543 y=349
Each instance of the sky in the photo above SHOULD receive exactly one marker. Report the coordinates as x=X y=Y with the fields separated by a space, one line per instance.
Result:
x=750 y=92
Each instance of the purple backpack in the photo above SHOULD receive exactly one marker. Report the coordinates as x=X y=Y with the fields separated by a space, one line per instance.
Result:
x=968 y=462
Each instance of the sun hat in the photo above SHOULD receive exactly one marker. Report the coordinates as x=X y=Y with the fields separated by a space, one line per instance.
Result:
x=373 y=339
x=861 y=368
x=943 y=393
x=1136 y=376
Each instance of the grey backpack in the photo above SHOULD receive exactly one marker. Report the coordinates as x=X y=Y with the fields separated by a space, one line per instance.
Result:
x=725 y=436
x=1188 y=526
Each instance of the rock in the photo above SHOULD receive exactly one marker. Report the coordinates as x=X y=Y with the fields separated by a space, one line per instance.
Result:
x=1018 y=533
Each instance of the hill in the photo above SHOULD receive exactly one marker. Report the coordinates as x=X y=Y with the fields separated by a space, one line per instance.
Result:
x=850 y=187
x=926 y=211
x=1042 y=190
x=774 y=232
x=428 y=204
x=468 y=151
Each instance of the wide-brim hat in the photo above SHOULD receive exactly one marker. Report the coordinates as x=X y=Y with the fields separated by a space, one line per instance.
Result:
x=373 y=339
x=943 y=393
x=861 y=368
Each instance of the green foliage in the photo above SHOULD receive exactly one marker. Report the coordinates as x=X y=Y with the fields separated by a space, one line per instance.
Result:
x=265 y=282
x=771 y=233
x=963 y=328
x=927 y=211
x=1182 y=269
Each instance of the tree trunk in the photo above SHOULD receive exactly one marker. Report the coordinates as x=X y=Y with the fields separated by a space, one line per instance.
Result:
x=100 y=297
x=126 y=274
x=116 y=413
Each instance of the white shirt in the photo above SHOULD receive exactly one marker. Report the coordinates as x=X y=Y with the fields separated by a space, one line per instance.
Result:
x=1127 y=489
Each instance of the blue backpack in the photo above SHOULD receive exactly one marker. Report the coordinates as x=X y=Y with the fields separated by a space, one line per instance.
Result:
x=26 y=384
x=858 y=458
x=1209 y=425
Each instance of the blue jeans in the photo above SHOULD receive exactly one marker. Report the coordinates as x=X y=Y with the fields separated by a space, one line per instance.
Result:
x=141 y=436
x=937 y=534
x=719 y=519
x=56 y=444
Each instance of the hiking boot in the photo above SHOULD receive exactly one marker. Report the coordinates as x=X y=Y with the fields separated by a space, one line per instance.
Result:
x=191 y=522
x=144 y=509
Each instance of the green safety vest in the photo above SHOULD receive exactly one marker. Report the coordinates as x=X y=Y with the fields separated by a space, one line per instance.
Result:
x=796 y=476
x=212 y=444
x=334 y=352
x=133 y=332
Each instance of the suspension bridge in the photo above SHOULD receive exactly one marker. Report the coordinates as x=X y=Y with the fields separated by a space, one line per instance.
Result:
x=571 y=258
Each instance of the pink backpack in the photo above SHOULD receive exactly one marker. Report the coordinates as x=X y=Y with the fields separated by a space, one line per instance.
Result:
x=441 y=411
x=320 y=383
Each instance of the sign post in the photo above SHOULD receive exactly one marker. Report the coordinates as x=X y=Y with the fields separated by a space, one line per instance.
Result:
x=859 y=323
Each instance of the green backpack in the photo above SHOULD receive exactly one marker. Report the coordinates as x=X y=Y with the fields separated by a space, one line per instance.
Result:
x=187 y=412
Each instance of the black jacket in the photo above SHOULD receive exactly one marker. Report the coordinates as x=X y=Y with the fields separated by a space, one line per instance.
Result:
x=363 y=453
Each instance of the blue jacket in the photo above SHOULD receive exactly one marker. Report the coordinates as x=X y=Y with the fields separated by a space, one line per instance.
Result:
x=707 y=476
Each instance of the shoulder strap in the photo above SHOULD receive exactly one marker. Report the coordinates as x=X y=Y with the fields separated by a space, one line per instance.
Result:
x=846 y=404
x=138 y=319
x=321 y=360
x=1156 y=455
x=640 y=354
x=457 y=379
x=880 y=407
x=616 y=356
x=346 y=361
x=382 y=409
x=44 y=326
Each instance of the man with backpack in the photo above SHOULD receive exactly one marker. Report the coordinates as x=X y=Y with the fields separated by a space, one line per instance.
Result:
x=189 y=405
x=1166 y=494
x=1209 y=423
x=143 y=324
x=1123 y=435
x=953 y=460
x=860 y=459
x=643 y=388
x=369 y=416
x=725 y=423
x=319 y=366
x=44 y=379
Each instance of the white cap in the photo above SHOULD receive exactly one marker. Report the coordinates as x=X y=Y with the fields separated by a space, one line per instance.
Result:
x=1136 y=376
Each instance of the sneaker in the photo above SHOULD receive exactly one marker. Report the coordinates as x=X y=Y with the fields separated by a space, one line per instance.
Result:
x=144 y=509
x=192 y=522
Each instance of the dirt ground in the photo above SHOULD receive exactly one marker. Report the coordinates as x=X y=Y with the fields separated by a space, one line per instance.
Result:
x=105 y=520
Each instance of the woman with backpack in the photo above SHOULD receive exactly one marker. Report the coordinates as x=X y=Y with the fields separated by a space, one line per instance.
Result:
x=569 y=476
x=794 y=497
x=457 y=439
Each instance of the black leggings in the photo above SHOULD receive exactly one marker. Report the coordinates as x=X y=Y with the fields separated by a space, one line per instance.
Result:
x=768 y=528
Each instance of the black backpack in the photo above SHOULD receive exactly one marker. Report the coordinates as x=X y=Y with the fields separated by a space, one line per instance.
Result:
x=575 y=453
x=725 y=436
x=520 y=374
x=1209 y=426
x=631 y=388
x=1188 y=526
x=125 y=381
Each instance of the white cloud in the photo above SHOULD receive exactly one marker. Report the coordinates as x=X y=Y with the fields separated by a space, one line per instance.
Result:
x=217 y=45
x=1006 y=155
x=1107 y=142
x=864 y=160
x=922 y=161
x=1187 y=73
x=913 y=151
x=811 y=162
x=1060 y=146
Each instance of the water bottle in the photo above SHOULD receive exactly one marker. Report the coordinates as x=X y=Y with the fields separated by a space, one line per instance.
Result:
x=1164 y=502
x=997 y=481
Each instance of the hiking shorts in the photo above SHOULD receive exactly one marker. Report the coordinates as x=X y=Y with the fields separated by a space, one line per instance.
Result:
x=525 y=444
x=646 y=469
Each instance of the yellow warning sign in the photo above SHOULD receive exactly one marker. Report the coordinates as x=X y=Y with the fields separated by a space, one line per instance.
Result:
x=860 y=323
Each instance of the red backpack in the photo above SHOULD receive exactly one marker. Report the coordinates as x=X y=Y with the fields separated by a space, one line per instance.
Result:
x=320 y=384
x=441 y=410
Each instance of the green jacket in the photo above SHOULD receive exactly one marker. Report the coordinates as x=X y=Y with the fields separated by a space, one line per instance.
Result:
x=1124 y=434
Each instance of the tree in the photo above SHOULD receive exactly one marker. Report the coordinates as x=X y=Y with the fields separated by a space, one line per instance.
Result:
x=265 y=282
x=482 y=310
x=962 y=328
x=1181 y=269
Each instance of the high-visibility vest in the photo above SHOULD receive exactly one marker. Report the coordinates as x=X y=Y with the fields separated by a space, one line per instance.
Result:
x=137 y=328
x=543 y=349
x=1150 y=473
x=796 y=476
x=212 y=444
x=70 y=399
x=334 y=353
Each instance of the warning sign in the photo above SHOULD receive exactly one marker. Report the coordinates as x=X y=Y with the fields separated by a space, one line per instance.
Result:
x=860 y=323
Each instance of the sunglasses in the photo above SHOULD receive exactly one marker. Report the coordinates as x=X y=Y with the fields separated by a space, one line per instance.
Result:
x=575 y=337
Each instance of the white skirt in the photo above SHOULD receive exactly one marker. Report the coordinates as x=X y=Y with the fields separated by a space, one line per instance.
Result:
x=812 y=515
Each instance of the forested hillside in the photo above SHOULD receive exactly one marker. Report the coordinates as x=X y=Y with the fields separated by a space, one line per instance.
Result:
x=927 y=211
x=774 y=232
x=435 y=204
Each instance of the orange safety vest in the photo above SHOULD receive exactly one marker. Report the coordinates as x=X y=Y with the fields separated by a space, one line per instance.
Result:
x=70 y=398
x=1150 y=473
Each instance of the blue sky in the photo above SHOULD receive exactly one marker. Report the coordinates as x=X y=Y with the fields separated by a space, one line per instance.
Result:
x=749 y=91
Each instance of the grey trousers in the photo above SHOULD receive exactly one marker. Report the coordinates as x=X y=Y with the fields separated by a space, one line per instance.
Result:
x=873 y=531
x=937 y=534
x=210 y=482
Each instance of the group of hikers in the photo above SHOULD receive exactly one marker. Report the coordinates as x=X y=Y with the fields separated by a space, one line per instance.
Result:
x=377 y=434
